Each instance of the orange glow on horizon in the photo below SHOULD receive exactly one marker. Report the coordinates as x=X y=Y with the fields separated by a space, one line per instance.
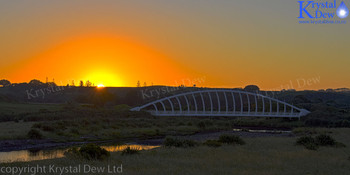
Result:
x=107 y=60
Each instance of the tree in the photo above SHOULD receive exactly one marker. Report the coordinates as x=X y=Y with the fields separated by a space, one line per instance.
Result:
x=138 y=84
x=252 y=88
x=300 y=99
x=88 y=84
x=5 y=82
x=36 y=82
x=144 y=84
x=81 y=84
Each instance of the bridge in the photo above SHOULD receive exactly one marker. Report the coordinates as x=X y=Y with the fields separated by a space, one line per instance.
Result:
x=221 y=102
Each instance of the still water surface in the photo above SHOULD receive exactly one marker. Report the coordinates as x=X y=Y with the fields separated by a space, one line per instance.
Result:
x=30 y=155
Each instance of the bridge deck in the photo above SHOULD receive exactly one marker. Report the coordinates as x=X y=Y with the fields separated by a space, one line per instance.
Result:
x=228 y=114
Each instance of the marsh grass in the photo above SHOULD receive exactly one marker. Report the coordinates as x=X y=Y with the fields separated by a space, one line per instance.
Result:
x=264 y=155
x=177 y=142
x=231 y=139
x=61 y=122
x=34 y=134
x=12 y=130
x=21 y=108
x=212 y=143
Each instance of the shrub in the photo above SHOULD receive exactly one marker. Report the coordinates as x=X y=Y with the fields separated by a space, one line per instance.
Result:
x=212 y=143
x=73 y=152
x=129 y=151
x=325 y=140
x=189 y=143
x=169 y=142
x=231 y=139
x=305 y=140
x=34 y=134
x=311 y=146
x=308 y=142
x=175 y=142
x=92 y=152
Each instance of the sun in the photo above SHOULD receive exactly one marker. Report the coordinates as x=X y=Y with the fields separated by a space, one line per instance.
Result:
x=103 y=77
x=100 y=86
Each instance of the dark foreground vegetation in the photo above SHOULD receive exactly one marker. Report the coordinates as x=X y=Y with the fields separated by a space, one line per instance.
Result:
x=87 y=123
x=262 y=155
x=312 y=143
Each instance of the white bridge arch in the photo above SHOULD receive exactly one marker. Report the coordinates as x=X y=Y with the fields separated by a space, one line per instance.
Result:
x=221 y=102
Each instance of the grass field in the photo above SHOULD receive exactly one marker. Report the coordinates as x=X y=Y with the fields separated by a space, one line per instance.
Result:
x=76 y=122
x=13 y=130
x=18 y=108
x=262 y=155
x=266 y=155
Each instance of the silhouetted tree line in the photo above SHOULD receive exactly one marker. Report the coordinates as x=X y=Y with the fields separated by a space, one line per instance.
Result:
x=330 y=109
x=32 y=83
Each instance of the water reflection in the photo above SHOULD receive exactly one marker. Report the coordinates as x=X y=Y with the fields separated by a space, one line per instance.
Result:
x=32 y=155
x=26 y=155
x=122 y=147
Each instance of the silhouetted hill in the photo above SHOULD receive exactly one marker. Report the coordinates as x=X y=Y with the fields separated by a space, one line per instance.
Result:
x=50 y=93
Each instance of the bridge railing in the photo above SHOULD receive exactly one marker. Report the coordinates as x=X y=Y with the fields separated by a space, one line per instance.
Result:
x=221 y=103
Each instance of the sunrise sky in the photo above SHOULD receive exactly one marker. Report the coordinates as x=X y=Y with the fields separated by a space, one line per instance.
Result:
x=224 y=43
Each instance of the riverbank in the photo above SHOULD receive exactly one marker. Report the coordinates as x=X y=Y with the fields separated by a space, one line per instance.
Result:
x=14 y=145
